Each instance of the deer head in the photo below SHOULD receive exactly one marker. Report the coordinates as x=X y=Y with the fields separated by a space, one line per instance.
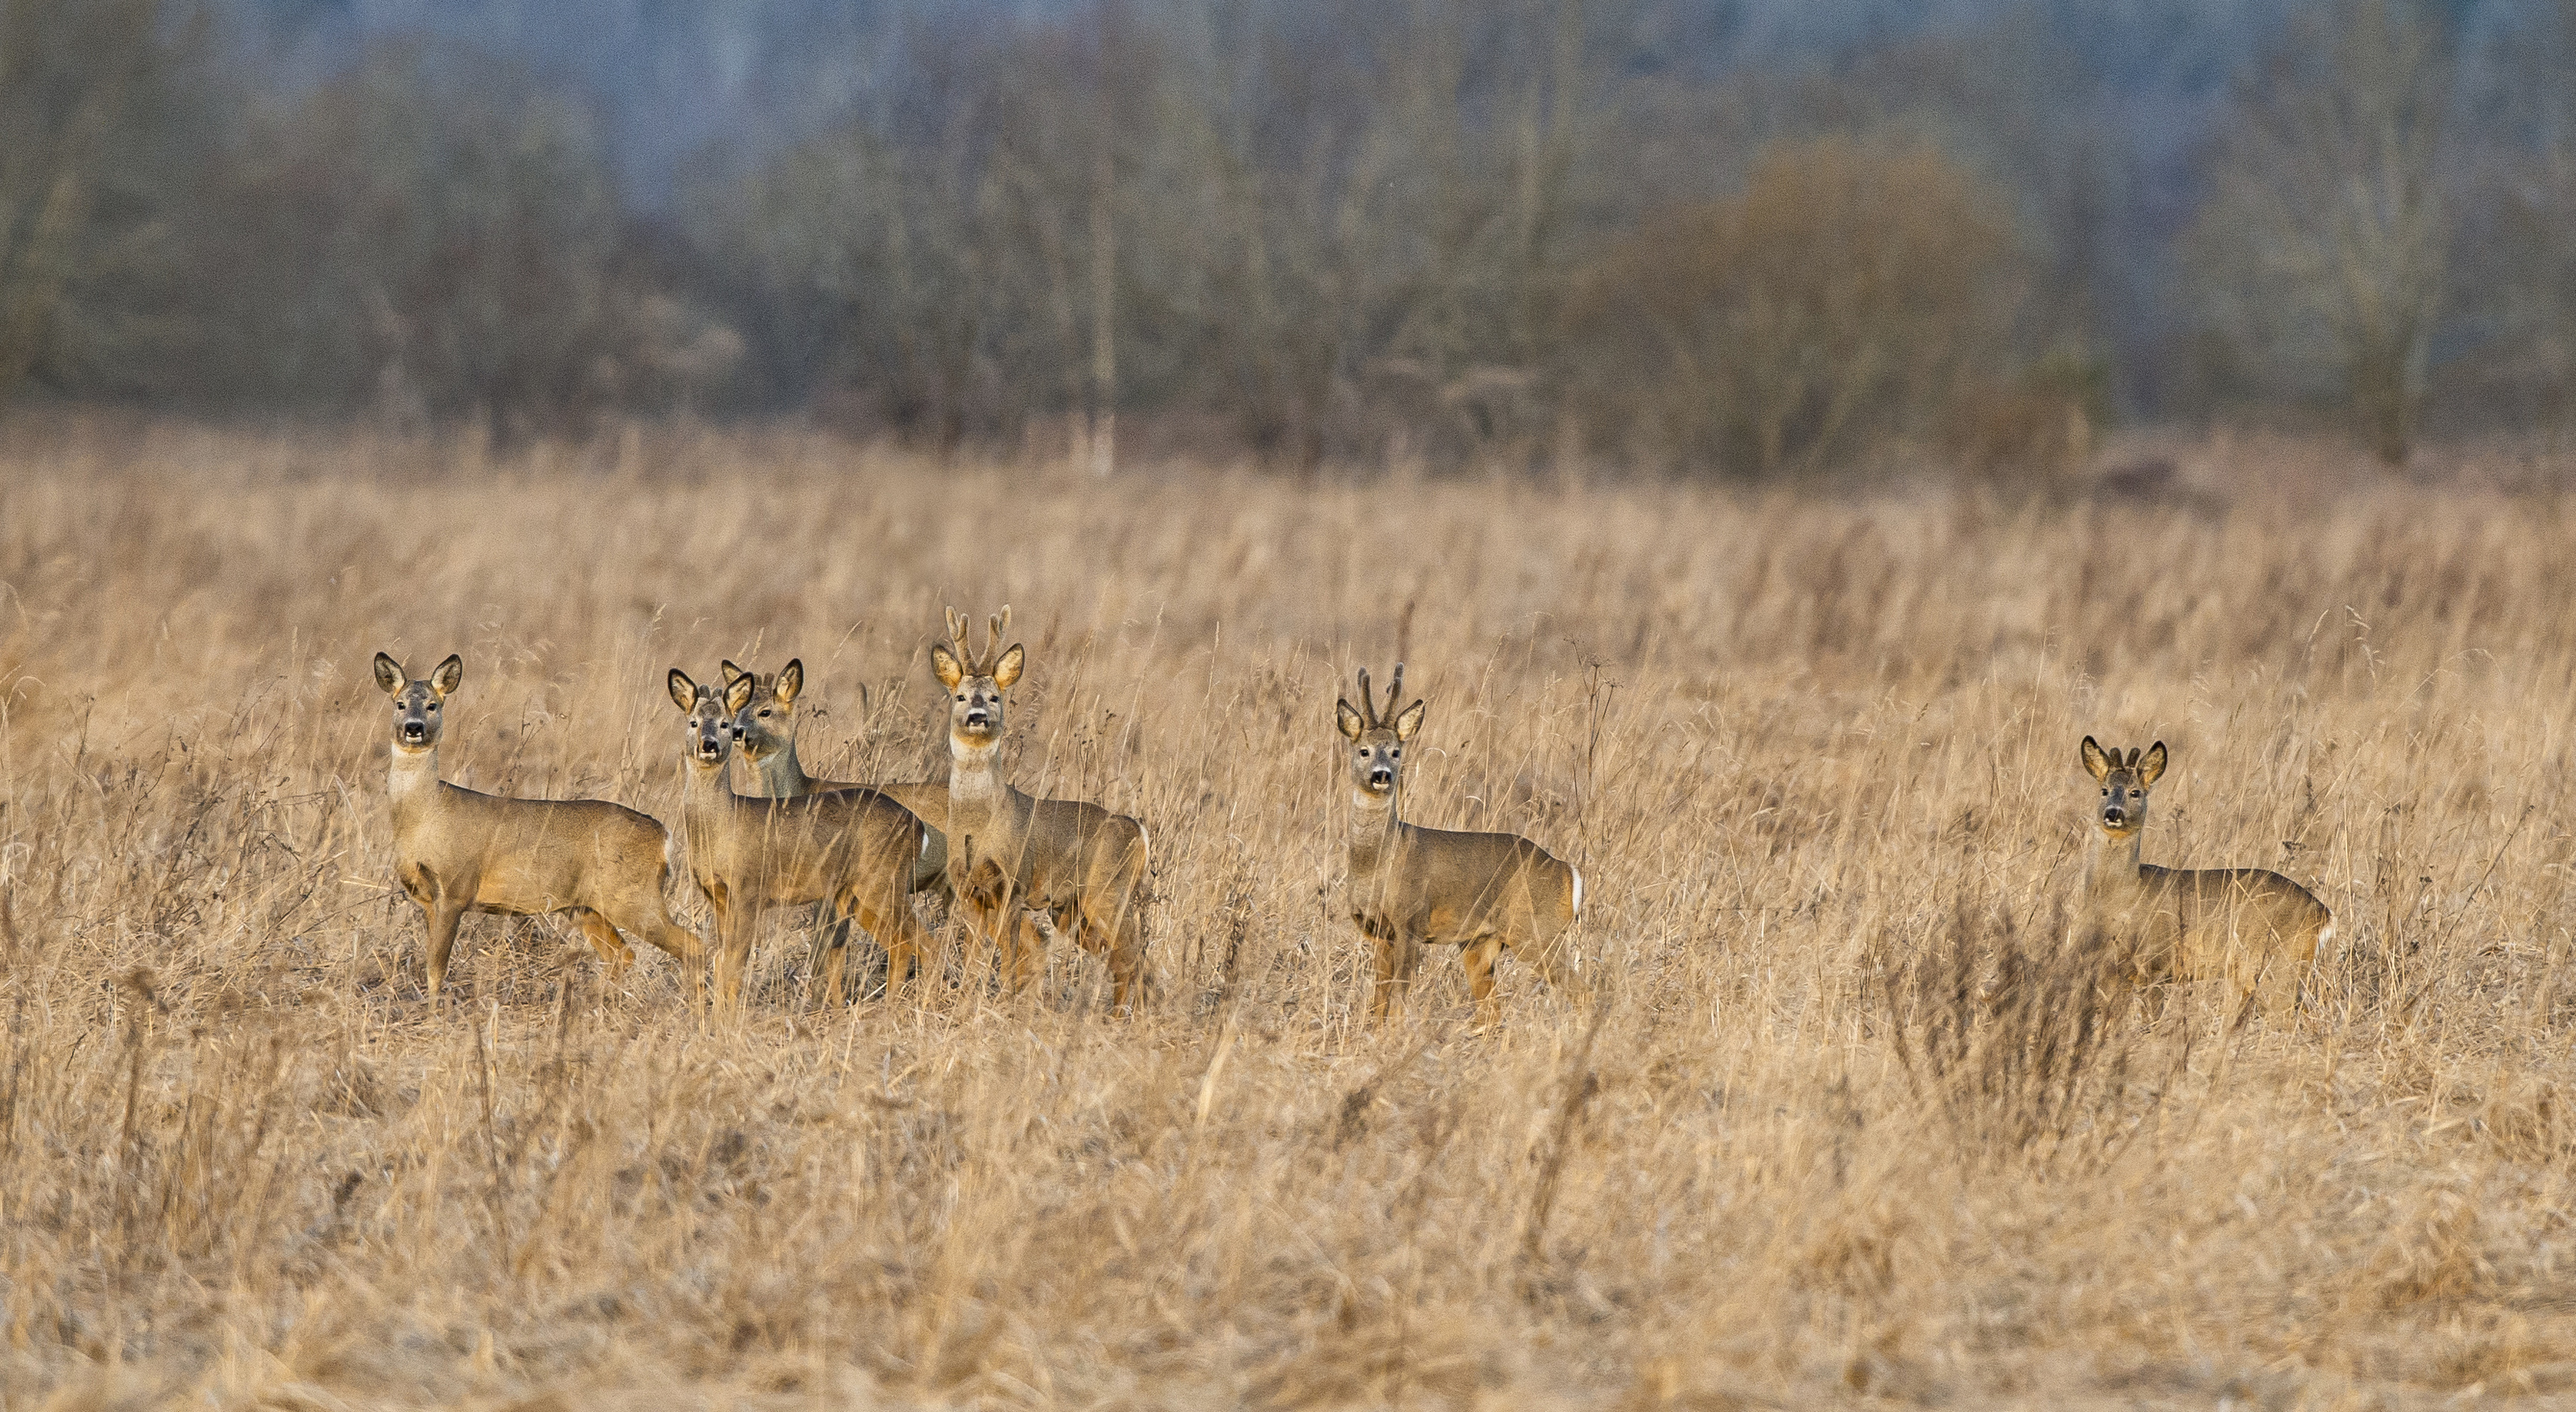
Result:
x=416 y=701
x=1377 y=759
x=2124 y=785
x=766 y=723
x=710 y=711
x=975 y=685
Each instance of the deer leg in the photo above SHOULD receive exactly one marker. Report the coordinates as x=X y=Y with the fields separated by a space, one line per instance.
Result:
x=826 y=963
x=886 y=915
x=1480 y=956
x=1026 y=955
x=1126 y=955
x=642 y=911
x=673 y=940
x=733 y=947
x=444 y=913
x=612 y=948
x=2275 y=981
x=1554 y=962
x=1395 y=961
x=907 y=942
x=829 y=934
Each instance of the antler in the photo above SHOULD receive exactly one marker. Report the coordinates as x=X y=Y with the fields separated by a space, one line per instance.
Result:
x=958 y=626
x=1368 y=701
x=1394 y=693
x=1000 y=623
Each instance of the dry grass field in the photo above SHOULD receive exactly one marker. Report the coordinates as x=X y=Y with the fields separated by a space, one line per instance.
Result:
x=1830 y=1135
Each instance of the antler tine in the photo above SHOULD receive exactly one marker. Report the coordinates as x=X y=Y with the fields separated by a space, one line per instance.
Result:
x=957 y=635
x=1368 y=703
x=997 y=624
x=1395 y=693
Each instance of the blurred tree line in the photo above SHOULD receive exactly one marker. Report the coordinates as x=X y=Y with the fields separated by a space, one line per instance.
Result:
x=1653 y=230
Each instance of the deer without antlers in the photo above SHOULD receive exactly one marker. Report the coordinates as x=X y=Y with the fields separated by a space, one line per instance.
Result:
x=1077 y=862
x=457 y=850
x=1410 y=885
x=855 y=848
x=765 y=730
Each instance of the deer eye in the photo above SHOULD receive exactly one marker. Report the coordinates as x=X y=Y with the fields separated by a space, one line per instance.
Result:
x=433 y=705
x=1397 y=753
x=764 y=715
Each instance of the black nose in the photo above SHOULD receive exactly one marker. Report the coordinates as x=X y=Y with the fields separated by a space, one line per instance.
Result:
x=412 y=730
x=2115 y=817
x=975 y=718
x=1381 y=775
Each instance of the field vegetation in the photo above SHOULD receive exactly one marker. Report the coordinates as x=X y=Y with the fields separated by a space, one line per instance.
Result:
x=1847 y=1125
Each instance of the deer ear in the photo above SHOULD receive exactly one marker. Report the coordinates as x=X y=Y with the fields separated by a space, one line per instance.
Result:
x=684 y=692
x=944 y=663
x=2153 y=767
x=1348 y=719
x=389 y=675
x=1007 y=670
x=791 y=680
x=730 y=672
x=2095 y=762
x=1408 y=725
x=738 y=695
x=449 y=675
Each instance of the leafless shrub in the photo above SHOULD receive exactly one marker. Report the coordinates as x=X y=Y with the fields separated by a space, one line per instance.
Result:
x=2322 y=250
x=2019 y=1037
x=1848 y=292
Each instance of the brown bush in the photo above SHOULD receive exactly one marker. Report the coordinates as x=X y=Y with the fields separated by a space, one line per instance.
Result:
x=1846 y=293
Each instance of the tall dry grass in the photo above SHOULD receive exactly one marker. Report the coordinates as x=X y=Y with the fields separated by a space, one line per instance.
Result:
x=1830 y=1139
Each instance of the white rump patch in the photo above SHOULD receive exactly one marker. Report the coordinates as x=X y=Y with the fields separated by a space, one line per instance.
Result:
x=2325 y=936
x=1144 y=838
x=1578 y=891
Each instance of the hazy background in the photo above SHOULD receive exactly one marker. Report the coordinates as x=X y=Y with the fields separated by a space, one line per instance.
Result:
x=1728 y=237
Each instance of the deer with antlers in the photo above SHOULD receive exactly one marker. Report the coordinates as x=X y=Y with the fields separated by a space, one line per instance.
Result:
x=1007 y=850
x=2251 y=927
x=1412 y=886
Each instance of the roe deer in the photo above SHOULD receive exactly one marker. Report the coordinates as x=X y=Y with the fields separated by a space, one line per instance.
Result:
x=1078 y=863
x=459 y=851
x=2252 y=927
x=1410 y=886
x=764 y=729
x=854 y=849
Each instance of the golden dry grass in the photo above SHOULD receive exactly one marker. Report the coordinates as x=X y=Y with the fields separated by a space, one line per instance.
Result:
x=1816 y=759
